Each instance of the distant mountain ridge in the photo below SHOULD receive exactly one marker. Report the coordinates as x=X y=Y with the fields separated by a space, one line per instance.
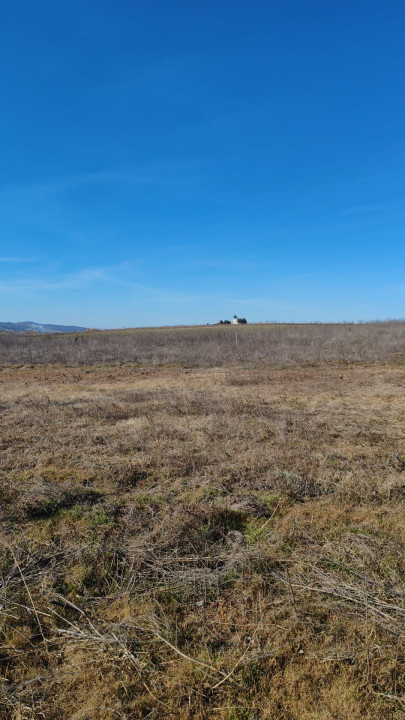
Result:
x=39 y=328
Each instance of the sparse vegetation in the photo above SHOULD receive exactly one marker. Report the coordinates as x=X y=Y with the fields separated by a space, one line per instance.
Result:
x=212 y=346
x=223 y=540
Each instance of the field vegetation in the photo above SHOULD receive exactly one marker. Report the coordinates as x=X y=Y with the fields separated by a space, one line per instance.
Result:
x=197 y=528
x=211 y=346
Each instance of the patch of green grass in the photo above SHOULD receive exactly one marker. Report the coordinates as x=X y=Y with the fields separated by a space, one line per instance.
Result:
x=50 y=506
x=255 y=529
x=268 y=498
x=101 y=517
x=202 y=493
x=71 y=516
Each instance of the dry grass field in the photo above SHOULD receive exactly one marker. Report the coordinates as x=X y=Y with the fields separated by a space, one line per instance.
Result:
x=199 y=534
x=212 y=345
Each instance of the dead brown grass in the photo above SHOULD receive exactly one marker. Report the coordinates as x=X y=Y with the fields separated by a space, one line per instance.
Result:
x=202 y=543
x=213 y=346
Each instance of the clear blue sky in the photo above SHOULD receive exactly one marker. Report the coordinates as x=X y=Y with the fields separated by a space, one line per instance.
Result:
x=168 y=162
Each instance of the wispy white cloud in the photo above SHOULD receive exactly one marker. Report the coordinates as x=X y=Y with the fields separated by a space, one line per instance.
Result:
x=67 y=281
x=121 y=280
x=16 y=260
x=154 y=173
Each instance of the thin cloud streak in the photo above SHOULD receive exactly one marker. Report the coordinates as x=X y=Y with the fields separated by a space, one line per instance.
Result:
x=141 y=293
x=65 y=282
x=16 y=260
x=154 y=173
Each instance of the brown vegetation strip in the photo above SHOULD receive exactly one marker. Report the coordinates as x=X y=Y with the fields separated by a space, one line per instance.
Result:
x=212 y=346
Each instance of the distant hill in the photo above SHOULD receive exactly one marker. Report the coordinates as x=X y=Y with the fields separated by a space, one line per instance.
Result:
x=38 y=328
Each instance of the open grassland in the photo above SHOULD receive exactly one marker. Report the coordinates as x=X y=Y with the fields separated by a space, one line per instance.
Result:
x=212 y=346
x=203 y=542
